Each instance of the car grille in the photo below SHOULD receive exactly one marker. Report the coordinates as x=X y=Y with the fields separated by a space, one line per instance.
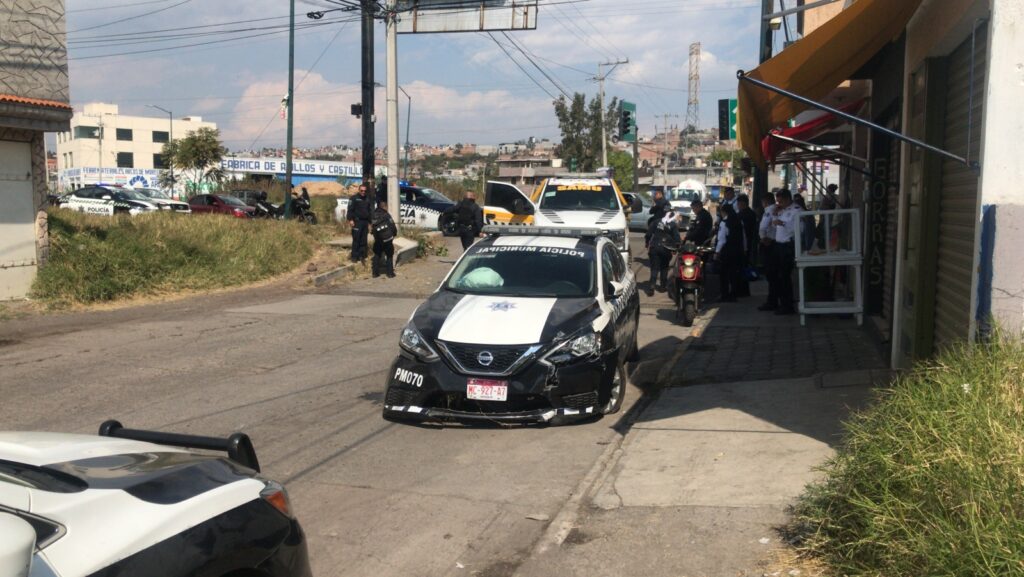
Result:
x=580 y=401
x=467 y=357
x=400 y=398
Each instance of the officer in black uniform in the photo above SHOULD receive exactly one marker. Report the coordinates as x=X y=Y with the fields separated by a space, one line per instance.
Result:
x=384 y=232
x=700 y=227
x=358 y=218
x=469 y=218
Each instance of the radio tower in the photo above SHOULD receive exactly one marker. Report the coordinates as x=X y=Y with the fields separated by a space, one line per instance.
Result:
x=693 y=103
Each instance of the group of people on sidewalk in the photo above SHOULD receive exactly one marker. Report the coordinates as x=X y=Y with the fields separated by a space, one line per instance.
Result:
x=740 y=241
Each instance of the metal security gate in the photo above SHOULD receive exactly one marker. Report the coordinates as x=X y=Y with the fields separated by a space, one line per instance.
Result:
x=17 y=220
x=958 y=209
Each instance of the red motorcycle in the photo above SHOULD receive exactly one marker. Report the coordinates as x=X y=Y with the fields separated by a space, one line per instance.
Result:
x=690 y=261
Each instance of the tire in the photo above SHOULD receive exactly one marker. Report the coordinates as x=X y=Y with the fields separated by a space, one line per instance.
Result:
x=616 y=391
x=689 y=313
x=309 y=218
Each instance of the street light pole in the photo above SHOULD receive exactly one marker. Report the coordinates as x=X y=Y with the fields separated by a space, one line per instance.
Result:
x=170 y=139
x=408 y=119
x=391 y=89
x=290 y=113
x=604 y=129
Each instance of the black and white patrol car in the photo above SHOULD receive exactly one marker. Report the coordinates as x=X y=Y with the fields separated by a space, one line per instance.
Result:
x=130 y=502
x=418 y=206
x=532 y=324
x=108 y=200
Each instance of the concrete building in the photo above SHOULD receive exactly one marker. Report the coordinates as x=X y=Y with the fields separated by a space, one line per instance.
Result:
x=528 y=170
x=34 y=99
x=103 y=145
x=941 y=233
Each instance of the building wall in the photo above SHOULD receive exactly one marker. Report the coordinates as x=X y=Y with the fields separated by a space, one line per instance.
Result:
x=935 y=30
x=33 y=55
x=1001 y=270
x=84 y=153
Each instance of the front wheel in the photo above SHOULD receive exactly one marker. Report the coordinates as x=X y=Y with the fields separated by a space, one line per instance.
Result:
x=309 y=218
x=616 y=392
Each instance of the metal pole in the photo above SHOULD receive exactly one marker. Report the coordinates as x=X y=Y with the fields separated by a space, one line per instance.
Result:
x=604 y=128
x=855 y=119
x=290 y=113
x=636 y=164
x=408 y=119
x=170 y=138
x=764 y=53
x=392 y=100
x=369 y=176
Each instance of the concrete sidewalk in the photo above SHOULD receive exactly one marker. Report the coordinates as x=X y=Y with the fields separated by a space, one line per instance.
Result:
x=746 y=406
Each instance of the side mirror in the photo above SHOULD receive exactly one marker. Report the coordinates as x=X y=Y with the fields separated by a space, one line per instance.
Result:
x=17 y=546
x=612 y=290
x=521 y=207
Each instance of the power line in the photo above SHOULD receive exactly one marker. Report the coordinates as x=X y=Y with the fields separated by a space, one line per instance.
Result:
x=315 y=62
x=516 y=62
x=112 y=6
x=537 y=66
x=136 y=17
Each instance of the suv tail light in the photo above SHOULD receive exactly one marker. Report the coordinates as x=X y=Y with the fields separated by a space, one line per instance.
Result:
x=275 y=494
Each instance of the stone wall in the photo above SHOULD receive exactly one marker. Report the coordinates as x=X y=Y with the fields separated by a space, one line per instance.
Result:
x=33 y=51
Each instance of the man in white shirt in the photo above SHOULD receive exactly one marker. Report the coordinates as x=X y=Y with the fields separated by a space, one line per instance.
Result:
x=766 y=236
x=785 y=222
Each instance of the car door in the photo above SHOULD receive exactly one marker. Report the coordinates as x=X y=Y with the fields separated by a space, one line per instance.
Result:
x=200 y=204
x=216 y=205
x=623 y=313
x=505 y=204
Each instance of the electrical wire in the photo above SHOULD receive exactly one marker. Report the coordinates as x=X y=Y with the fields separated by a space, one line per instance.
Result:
x=113 y=6
x=136 y=17
x=520 y=66
x=537 y=66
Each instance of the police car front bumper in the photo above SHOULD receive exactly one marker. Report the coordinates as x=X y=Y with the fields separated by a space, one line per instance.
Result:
x=539 y=392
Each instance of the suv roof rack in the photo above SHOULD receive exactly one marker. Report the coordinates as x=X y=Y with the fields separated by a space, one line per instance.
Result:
x=530 y=230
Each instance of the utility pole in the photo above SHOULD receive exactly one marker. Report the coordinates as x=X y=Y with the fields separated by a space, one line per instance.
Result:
x=664 y=136
x=101 y=149
x=290 y=112
x=369 y=176
x=408 y=119
x=170 y=138
x=604 y=130
x=392 y=99
x=764 y=53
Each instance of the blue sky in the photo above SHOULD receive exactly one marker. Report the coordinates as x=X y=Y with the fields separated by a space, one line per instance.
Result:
x=463 y=87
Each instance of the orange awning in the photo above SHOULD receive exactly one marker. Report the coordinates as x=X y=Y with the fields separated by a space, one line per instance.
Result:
x=816 y=65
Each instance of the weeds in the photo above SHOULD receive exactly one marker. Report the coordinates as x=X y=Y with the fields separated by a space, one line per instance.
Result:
x=930 y=478
x=94 y=258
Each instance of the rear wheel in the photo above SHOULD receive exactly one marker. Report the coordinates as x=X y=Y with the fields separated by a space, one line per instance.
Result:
x=616 y=391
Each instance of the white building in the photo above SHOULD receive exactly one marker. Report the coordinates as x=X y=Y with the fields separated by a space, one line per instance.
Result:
x=106 y=146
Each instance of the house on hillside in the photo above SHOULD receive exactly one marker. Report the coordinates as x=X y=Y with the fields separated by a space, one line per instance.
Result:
x=34 y=100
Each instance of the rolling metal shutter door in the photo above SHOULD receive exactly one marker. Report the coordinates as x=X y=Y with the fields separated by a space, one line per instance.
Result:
x=891 y=226
x=959 y=196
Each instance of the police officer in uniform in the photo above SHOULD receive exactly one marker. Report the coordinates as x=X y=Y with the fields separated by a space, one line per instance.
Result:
x=358 y=218
x=469 y=218
x=384 y=232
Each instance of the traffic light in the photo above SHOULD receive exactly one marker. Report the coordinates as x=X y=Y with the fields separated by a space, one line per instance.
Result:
x=723 y=119
x=627 y=122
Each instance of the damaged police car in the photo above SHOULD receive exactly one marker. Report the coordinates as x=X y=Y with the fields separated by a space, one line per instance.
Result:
x=532 y=324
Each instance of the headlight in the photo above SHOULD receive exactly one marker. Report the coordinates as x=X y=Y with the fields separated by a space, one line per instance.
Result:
x=412 y=341
x=587 y=344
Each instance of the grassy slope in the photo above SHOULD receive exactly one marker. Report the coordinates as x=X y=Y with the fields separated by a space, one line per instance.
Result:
x=930 y=480
x=95 y=258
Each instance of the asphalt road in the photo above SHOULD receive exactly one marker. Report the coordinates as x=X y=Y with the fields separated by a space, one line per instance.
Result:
x=302 y=372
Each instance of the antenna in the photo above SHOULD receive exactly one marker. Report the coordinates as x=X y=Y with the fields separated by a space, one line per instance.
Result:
x=693 y=103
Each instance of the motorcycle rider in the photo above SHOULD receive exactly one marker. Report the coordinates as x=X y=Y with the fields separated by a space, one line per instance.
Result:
x=700 y=227
x=469 y=218
x=358 y=218
x=384 y=231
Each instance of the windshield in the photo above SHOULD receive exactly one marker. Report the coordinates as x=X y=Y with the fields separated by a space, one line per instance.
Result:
x=526 y=271
x=231 y=200
x=579 y=197
x=684 y=194
x=127 y=194
x=153 y=193
x=432 y=194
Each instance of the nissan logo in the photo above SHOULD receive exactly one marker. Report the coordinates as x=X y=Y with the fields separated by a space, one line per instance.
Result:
x=485 y=358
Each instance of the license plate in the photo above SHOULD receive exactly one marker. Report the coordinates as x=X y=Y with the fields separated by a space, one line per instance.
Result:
x=487 y=390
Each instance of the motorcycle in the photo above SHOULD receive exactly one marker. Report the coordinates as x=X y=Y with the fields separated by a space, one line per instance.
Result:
x=300 y=209
x=690 y=261
x=266 y=209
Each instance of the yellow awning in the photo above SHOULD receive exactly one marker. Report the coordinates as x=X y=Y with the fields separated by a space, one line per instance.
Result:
x=816 y=65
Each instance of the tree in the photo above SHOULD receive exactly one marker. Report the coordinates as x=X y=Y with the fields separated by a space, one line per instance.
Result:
x=198 y=156
x=580 y=124
x=622 y=165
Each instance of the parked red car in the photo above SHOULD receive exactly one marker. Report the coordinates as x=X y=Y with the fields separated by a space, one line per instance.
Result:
x=220 y=204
